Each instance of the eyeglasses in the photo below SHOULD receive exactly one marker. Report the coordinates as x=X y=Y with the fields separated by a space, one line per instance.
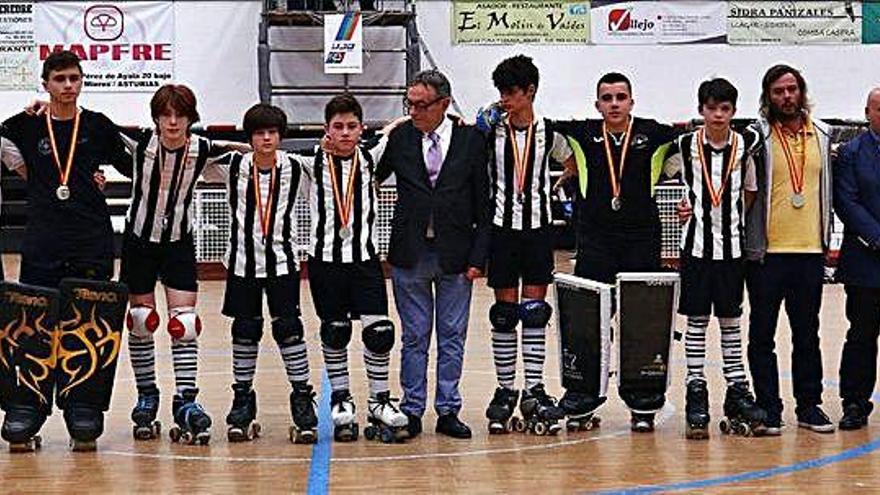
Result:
x=418 y=105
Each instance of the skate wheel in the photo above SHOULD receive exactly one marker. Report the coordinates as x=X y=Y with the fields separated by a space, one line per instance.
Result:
x=370 y=432
x=540 y=429
x=174 y=434
x=554 y=429
x=508 y=426
x=747 y=430
x=519 y=425
x=355 y=430
x=724 y=426
x=387 y=435
x=186 y=437
x=292 y=434
x=203 y=438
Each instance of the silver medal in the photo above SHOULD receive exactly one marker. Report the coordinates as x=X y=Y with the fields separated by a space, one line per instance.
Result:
x=345 y=232
x=798 y=200
x=616 y=203
x=63 y=192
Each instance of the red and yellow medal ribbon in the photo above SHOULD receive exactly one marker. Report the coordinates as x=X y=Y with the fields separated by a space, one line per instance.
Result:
x=707 y=177
x=63 y=173
x=520 y=161
x=796 y=176
x=614 y=177
x=344 y=209
x=265 y=212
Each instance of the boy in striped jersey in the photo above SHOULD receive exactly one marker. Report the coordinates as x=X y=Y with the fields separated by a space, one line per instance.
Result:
x=262 y=190
x=158 y=245
x=520 y=147
x=715 y=165
x=345 y=275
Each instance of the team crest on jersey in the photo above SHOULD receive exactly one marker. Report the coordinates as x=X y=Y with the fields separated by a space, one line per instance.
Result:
x=44 y=147
x=639 y=141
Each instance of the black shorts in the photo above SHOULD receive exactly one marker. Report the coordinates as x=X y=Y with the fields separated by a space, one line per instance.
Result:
x=516 y=255
x=244 y=296
x=50 y=273
x=708 y=284
x=347 y=290
x=145 y=262
x=602 y=255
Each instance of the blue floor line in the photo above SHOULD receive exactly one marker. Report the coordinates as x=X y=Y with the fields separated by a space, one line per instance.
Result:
x=818 y=462
x=319 y=472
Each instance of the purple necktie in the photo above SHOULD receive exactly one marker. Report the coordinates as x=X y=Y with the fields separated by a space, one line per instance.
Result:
x=434 y=158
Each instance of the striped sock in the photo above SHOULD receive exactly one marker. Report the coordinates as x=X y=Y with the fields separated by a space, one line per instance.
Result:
x=731 y=351
x=504 y=347
x=244 y=360
x=185 y=357
x=296 y=361
x=377 y=370
x=336 y=362
x=534 y=351
x=143 y=361
x=695 y=347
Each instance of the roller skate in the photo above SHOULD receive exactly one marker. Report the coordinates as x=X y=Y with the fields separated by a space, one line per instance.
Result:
x=579 y=409
x=192 y=423
x=697 y=411
x=741 y=415
x=302 y=408
x=500 y=410
x=21 y=428
x=240 y=420
x=540 y=413
x=84 y=424
x=387 y=423
x=641 y=422
x=146 y=427
x=342 y=411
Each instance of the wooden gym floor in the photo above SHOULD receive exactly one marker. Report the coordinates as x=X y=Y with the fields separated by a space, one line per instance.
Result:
x=610 y=458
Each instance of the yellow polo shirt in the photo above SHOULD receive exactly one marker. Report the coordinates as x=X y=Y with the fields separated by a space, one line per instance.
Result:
x=790 y=229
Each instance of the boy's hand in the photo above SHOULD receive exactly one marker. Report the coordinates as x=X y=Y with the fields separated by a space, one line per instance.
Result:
x=684 y=211
x=36 y=107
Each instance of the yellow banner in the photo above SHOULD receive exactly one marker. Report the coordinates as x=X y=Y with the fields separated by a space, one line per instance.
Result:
x=503 y=22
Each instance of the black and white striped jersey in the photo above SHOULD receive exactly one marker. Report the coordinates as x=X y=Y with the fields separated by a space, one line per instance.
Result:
x=714 y=231
x=249 y=253
x=163 y=184
x=531 y=209
x=333 y=240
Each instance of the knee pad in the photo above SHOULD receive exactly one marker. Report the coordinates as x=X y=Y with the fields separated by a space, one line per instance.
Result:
x=142 y=321
x=247 y=330
x=378 y=336
x=535 y=313
x=184 y=325
x=504 y=316
x=287 y=330
x=336 y=334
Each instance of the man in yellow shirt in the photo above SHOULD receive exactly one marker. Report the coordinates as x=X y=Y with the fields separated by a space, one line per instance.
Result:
x=788 y=228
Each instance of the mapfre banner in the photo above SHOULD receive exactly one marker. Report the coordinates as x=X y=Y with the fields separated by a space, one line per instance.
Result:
x=124 y=46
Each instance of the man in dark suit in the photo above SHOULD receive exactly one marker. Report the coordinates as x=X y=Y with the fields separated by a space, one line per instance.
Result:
x=439 y=243
x=857 y=203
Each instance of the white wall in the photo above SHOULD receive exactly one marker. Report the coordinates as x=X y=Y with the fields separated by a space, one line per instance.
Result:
x=665 y=78
x=217 y=43
x=216 y=54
